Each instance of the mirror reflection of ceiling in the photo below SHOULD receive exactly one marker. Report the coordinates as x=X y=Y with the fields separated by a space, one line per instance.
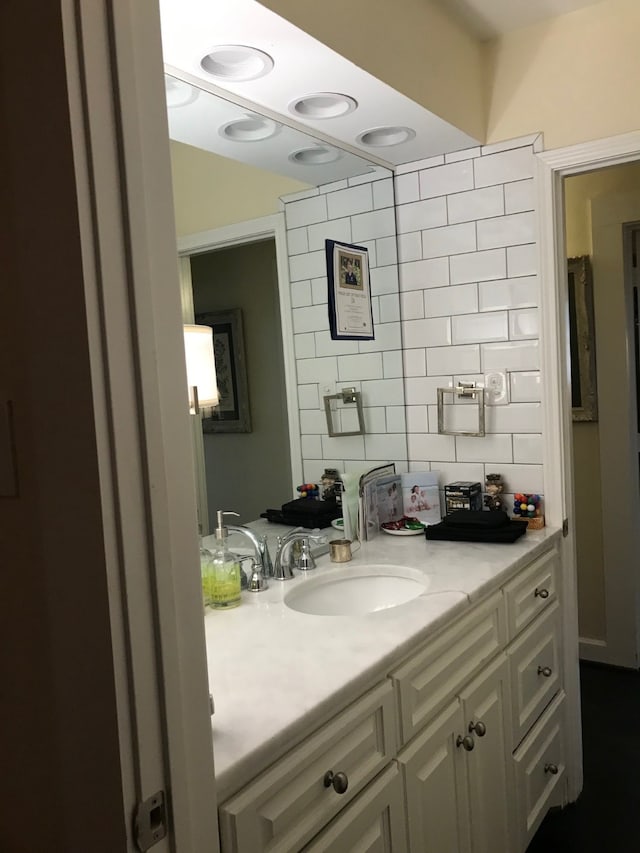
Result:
x=282 y=78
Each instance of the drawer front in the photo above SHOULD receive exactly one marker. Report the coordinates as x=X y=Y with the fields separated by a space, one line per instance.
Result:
x=531 y=591
x=283 y=808
x=373 y=821
x=541 y=753
x=428 y=680
x=536 y=670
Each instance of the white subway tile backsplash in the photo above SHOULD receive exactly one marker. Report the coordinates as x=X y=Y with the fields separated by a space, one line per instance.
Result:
x=312 y=422
x=530 y=139
x=310 y=265
x=385 y=446
x=407 y=188
x=325 y=345
x=415 y=362
x=346 y=447
x=476 y=204
x=416 y=165
x=417 y=419
x=383 y=392
x=516 y=417
x=454 y=359
x=443 y=301
x=319 y=294
x=523 y=478
x=371 y=226
x=389 y=308
x=412 y=305
x=335 y=229
x=522 y=260
x=351 y=201
x=444 y=180
x=387 y=337
x=519 y=196
x=297 y=241
x=373 y=174
x=478 y=266
x=449 y=240
x=465 y=154
x=301 y=294
x=476 y=328
x=386 y=252
x=306 y=212
x=434 y=332
x=418 y=275
x=305 y=347
x=370 y=246
x=392 y=364
x=375 y=419
x=367 y=366
x=308 y=397
x=457 y=417
x=489 y=448
x=431 y=447
x=317 y=369
x=511 y=230
x=421 y=214
x=383 y=193
x=452 y=471
x=397 y=420
x=423 y=390
x=505 y=166
x=309 y=319
x=311 y=446
x=525 y=386
x=384 y=280
x=523 y=323
x=333 y=186
x=527 y=449
x=514 y=355
x=410 y=246
x=508 y=293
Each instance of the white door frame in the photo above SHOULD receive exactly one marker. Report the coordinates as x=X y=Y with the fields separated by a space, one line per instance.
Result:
x=250 y=231
x=552 y=167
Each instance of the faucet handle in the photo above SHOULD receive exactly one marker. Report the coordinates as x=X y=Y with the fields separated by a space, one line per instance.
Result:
x=258 y=580
x=305 y=561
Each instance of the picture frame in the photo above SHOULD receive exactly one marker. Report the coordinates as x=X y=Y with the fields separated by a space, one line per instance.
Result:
x=582 y=341
x=232 y=414
x=349 y=291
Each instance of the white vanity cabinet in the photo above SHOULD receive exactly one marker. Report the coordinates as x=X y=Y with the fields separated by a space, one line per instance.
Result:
x=458 y=749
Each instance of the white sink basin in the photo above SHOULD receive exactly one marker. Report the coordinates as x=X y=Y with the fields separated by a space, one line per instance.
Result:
x=356 y=591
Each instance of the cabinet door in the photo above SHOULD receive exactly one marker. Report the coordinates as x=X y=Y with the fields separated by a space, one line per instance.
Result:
x=372 y=823
x=434 y=771
x=486 y=707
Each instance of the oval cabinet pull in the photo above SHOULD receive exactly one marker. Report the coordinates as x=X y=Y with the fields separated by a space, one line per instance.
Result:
x=339 y=781
x=466 y=742
x=551 y=768
x=479 y=728
x=545 y=670
x=541 y=593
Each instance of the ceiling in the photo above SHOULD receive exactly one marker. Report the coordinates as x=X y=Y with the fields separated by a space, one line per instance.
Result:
x=487 y=19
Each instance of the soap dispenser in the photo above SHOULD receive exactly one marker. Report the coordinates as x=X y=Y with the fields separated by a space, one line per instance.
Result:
x=224 y=587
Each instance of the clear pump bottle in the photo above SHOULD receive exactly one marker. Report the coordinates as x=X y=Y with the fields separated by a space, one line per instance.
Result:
x=221 y=573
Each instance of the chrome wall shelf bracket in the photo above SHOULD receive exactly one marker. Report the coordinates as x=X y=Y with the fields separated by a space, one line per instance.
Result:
x=346 y=396
x=464 y=390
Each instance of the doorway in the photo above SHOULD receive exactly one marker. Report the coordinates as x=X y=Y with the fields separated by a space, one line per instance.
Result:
x=598 y=206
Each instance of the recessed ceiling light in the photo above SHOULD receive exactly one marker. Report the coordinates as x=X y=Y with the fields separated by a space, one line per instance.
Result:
x=378 y=137
x=236 y=62
x=251 y=128
x=323 y=105
x=316 y=155
x=179 y=93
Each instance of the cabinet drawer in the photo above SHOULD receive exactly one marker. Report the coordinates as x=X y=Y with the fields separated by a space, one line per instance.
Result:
x=531 y=591
x=284 y=807
x=538 y=786
x=536 y=670
x=373 y=821
x=429 y=679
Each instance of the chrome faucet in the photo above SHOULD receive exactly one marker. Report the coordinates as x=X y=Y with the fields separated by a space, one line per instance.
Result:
x=262 y=567
x=283 y=564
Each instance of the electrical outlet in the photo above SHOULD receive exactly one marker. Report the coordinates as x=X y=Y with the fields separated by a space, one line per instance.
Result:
x=496 y=388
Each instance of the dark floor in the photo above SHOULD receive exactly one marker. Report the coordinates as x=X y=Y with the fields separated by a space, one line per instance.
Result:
x=606 y=817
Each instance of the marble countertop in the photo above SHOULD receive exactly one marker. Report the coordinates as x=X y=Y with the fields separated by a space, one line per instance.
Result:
x=277 y=674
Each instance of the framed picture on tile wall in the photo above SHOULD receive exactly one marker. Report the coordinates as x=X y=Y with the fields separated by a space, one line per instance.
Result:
x=232 y=414
x=350 y=311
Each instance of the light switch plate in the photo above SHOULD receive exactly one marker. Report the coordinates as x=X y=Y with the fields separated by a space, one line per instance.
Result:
x=496 y=388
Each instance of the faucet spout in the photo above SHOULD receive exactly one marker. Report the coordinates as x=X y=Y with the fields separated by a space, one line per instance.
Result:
x=283 y=567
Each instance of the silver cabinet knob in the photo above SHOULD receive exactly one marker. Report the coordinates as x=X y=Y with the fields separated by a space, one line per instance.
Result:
x=551 y=768
x=466 y=742
x=339 y=781
x=541 y=593
x=479 y=728
x=545 y=670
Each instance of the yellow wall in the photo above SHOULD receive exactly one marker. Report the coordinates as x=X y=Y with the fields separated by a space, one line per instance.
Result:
x=572 y=77
x=211 y=191
x=410 y=44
